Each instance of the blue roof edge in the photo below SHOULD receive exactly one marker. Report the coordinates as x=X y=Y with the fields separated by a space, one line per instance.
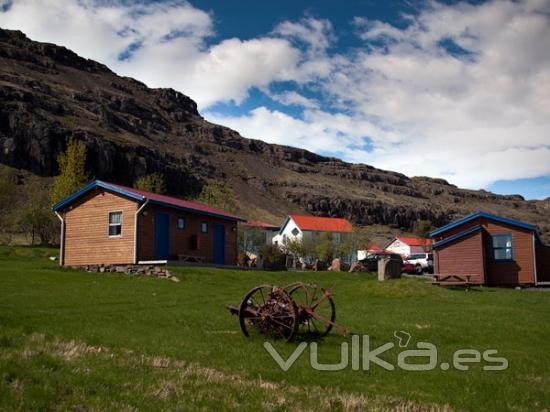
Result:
x=93 y=185
x=485 y=215
x=460 y=235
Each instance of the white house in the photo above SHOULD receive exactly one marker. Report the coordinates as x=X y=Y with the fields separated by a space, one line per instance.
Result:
x=406 y=246
x=304 y=227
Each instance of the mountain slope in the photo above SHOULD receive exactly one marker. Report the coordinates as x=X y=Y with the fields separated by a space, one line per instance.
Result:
x=49 y=94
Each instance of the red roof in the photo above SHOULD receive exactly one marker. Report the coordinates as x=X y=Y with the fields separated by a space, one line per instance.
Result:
x=415 y=241
x=373 y=247
x=178 y=203
x=322 y=224
x=261 y=225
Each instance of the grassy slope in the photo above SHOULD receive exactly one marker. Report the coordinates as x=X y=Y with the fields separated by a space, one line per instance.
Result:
x=168 y=344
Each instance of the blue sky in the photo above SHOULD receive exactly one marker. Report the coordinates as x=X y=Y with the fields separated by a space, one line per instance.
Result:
x=458 y=90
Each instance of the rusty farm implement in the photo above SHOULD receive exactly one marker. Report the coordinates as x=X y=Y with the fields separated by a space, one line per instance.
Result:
x=284 y=312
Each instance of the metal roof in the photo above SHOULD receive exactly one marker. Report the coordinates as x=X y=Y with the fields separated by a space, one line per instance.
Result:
x=320 y=224
x=142 y=195
x=485 y=215
x=460 y=235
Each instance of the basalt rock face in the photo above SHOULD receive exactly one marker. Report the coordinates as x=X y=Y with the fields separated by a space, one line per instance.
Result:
x=48 y=94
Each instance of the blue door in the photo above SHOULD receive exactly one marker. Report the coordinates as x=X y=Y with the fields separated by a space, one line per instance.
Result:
x=162 y=236
x=219 y=244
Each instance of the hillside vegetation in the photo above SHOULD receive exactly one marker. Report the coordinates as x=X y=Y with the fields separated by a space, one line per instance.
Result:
x=48 y=95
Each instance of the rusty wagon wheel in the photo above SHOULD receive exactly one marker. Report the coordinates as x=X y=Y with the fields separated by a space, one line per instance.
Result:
x=270 y=311
x=316 y=309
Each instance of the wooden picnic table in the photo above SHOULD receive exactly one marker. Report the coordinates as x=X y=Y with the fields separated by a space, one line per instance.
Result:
x=456 y=280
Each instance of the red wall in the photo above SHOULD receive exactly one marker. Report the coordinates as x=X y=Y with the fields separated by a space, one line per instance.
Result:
x=474 y=254
x=462 y=257
x=181 y=240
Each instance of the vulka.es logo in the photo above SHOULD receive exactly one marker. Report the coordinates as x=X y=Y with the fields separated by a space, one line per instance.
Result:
x=362 y=356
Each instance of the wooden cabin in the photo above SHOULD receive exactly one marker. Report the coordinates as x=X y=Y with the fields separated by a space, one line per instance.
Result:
x=106 y=223
x=497 y=250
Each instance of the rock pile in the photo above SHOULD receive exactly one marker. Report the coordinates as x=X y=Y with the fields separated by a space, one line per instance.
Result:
x=145 y=270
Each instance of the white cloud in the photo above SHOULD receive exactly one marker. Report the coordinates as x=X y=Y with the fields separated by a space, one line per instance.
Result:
x=172 y=48
x=472 y=117
x=404 y=100
x=292 y=98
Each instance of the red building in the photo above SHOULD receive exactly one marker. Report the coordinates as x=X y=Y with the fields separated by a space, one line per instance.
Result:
x=501 y=251
x=105 y=223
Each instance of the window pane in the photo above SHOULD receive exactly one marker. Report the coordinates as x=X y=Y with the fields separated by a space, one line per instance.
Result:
x=204 y=227
x=502 y=241
x=181 y=223
x=501 y=254
x=115 y=230
x=115 y=217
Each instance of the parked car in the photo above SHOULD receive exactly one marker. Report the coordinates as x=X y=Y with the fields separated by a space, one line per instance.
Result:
x=408 y=268
x=371 y=261
x=423 y=262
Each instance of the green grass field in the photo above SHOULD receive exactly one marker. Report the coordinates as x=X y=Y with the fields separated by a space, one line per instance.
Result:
x=80 y=341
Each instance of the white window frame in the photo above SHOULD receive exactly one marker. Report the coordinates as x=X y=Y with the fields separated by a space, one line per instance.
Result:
x=109 y=224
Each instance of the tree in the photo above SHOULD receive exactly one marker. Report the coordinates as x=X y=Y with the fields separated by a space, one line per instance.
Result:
x=220 y=195
x=324 y=247
x=352 y=242
x=35 y=218
x=294 y=247
x=153 y=182
x=7 y=200
x=72 y=171
x=422 y=228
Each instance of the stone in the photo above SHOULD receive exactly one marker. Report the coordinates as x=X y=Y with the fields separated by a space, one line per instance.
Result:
x=336 y=265
x=357 y=267
x=389 y=269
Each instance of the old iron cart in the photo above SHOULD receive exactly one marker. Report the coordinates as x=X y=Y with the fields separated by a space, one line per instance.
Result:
x=284 y=312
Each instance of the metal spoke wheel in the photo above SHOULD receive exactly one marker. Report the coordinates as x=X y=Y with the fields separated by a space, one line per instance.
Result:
x=316 y=309
x=270 y=311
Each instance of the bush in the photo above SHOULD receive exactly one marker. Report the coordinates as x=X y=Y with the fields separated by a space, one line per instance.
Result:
x=153 y=182
x=273 y=256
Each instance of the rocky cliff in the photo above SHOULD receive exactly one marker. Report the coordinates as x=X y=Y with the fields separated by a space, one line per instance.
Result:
x=49 y=94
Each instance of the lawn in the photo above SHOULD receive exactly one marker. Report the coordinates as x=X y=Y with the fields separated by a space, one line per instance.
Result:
x=74 y=340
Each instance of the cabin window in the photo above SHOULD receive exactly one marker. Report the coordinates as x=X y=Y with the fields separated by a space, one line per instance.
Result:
x=115 y=223
x=502 y=247
x=181 y=223
x=204 y=227
x=295 y=232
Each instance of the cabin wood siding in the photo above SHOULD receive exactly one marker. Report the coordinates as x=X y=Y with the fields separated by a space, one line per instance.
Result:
x=543 y=263
x=521 y=270
x=181 y=239
x=87 y=240
x=462 y=257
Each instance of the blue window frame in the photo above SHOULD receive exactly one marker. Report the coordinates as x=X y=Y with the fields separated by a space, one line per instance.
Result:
x=503 y=250
x=181 y=223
